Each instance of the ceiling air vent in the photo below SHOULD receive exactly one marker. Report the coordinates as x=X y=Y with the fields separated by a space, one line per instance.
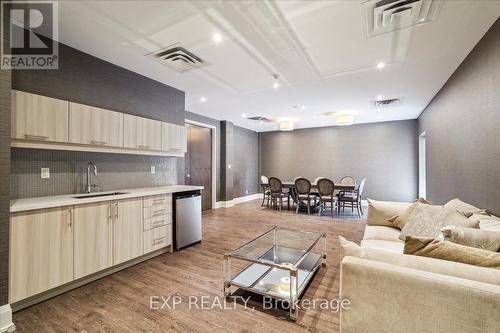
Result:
x=177 y=58
x=260 y=118
x=384 y=16
x=386 y=103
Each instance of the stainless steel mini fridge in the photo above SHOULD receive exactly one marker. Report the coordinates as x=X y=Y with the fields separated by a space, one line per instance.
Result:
x=187 y=220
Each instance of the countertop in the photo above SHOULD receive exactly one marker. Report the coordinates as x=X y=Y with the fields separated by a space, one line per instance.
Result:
x=20 y=205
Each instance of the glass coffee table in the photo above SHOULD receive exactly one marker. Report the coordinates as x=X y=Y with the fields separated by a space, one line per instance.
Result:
x=280 y=265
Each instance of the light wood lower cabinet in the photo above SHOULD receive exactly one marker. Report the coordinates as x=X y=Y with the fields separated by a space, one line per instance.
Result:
x=38 y=118
x=41 y=251
x=95 y=126
x=93 y=234
x=157 y=238
x=127 y=230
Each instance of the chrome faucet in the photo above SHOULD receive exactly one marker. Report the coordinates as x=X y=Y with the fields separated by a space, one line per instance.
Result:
x=91 y=166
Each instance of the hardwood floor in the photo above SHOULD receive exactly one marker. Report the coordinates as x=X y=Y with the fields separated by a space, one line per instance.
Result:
x=121 y=302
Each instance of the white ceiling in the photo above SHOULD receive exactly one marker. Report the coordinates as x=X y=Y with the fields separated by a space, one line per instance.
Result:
x=320 y=50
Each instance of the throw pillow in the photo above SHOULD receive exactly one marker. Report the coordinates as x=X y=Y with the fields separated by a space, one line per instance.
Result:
x=481 y=239
x=459 y=205
x=490 y=223
x=380 y=211
x=432 y=248
x=399 y=221
x=428 y=220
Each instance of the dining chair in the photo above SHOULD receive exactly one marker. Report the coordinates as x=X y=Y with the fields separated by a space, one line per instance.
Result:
x=348 y=181
x=353 y=198
x=276 y=193
x=266 y=193
x=326 y=189
x=303 y=192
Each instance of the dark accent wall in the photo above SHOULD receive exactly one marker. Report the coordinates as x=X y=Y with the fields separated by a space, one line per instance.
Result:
x=5 y=83
x=462 y=126
x=85 y=79
x=226 y=141
x=245 y=163
x=383 y=153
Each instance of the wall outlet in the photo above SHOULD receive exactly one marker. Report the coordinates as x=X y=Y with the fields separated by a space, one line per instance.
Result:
x=153 y=169
x=44 y=173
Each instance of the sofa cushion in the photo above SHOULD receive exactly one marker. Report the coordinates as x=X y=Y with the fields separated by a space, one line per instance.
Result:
x=400 y=220
x=481 y=239
x=381 y=233
x=433 y=248
x=459 y=205
x=449 y=268
x=385 y=245
x=380 y=211
x=428 y=220
x=490 y=223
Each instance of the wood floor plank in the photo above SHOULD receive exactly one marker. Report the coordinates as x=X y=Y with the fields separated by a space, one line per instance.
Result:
x=121 y=302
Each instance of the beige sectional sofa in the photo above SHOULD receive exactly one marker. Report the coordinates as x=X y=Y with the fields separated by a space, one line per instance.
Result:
x=393 y=292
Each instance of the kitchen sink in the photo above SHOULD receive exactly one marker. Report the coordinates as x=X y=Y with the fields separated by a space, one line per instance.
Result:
x=96 y=195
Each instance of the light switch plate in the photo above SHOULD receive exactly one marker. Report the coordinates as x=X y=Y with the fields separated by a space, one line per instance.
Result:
x=153 y=169
x=45 y=173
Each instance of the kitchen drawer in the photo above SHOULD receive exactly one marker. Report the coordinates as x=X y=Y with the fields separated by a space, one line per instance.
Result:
x=157 y=238
x=156 y=211
x=157 y=221
x=158 y=200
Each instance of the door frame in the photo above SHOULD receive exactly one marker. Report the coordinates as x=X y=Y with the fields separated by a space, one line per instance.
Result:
x=214 y=155
x=422 y=170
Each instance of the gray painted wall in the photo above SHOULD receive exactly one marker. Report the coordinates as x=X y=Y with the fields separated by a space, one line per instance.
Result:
x=462 y=125
x=5 y=83
x=68 y=172
x=385 y=153
x=245 y=160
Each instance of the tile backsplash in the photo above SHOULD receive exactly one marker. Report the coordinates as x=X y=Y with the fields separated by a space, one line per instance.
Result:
x=68 y=172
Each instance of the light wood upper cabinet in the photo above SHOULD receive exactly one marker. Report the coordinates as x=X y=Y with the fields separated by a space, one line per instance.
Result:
x=93 y=238
x=174 y=137
x=39 y=118
x=95 y=126
x=142 y=133
x=41 y=251
x=127 y=230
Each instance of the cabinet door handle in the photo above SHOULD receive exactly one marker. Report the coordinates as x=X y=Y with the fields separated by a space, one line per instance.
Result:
x=116 y=210
x=144 y=146
x=158 y=223
x=157 y=241
x=109 y=211
x=100 y=143
x=35 y=137
x=158 y=201
x=70 y=222
x=159 y=212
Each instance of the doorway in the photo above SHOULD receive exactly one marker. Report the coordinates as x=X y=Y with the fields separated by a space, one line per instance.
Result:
x=198 y=161
x=421 y=166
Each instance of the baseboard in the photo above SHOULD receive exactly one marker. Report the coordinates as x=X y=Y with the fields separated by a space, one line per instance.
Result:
x=6 y=324
x=235 y=201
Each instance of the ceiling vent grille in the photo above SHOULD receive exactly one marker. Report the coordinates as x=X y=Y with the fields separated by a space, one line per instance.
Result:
x=384 y=16
x=261 y=119
x=177 y=58
x=386 y=103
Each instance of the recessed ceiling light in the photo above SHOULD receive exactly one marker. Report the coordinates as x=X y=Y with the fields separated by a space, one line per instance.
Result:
x=381 y=65
x=379 y=97
x=302 y=107
x=203 y=99
x=217 y=38
x=125 y=43
x=276 y=85
x=314 y=116
x=244 y=115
